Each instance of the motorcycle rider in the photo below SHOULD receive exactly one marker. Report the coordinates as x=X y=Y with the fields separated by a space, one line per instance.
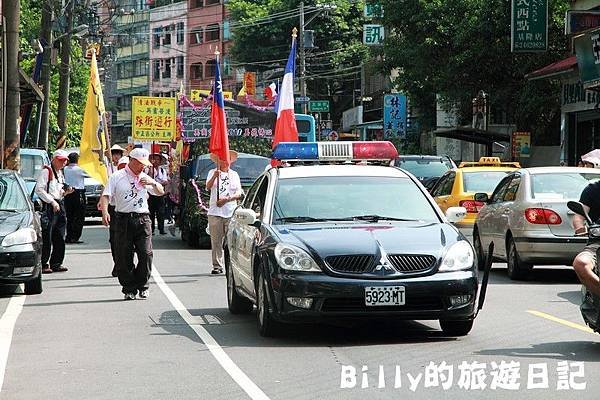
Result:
x=585 y=262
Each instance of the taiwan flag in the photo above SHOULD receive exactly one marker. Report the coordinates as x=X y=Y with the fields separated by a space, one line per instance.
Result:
x=219 y=139
x=285 y=126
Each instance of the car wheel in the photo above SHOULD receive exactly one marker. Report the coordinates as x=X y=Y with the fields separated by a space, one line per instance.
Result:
x=267 y=326
x=456 y=328
x=516 y=268
x=237 y=304
x=481 y=259
x=34 y=286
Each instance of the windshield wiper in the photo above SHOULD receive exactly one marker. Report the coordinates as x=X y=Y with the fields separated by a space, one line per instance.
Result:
x=299 y=219
x=375 y=218
x=9 y=210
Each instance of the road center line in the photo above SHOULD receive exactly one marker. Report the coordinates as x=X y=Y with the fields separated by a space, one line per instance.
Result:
x=561 y=321
x=217 y=351
x=7 y=325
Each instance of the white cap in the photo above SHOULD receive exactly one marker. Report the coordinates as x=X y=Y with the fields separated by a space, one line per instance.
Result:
x=60 y=154
x=141 y=155
x=123 y=160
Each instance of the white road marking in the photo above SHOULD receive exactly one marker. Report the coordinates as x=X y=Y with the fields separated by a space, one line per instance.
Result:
x=7 y=325
x=217 y=351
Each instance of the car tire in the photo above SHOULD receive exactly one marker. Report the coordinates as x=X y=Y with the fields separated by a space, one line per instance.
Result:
x=267 y=326
x=456 y=328
x=517 y=269
x=34 y=286
x=236 y=303
x=481 y=258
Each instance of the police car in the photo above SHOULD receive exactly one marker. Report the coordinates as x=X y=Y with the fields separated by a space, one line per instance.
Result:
x=337 y=232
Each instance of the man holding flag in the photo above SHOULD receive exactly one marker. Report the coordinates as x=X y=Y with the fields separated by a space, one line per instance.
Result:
x=222 y=182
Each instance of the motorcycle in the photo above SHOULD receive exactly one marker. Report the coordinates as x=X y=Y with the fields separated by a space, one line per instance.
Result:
x=590 y=304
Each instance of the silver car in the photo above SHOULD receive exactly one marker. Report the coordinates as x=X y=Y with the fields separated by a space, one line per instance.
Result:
x=528 y=220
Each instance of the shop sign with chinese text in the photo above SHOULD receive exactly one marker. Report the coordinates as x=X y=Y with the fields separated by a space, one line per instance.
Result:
x=529 y=25
x=153 y=118
x=587 y=48
x=373 y=35
x=394 y=115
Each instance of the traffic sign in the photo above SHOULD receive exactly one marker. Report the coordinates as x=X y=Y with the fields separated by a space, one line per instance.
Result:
x=318 y=106
x=302 y=99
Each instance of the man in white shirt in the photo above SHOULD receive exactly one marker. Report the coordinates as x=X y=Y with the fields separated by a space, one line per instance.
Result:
x=225 y=189
x=75 y=202
x=156 y=204
x=51 y=189
x=128 y=189
x=116 y=153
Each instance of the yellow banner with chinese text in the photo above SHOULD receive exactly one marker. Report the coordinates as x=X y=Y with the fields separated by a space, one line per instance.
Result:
x=153 y=118
x=199 y=94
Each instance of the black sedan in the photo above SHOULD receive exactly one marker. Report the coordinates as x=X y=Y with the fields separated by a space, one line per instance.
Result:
x=348 y=241
x=20 y=235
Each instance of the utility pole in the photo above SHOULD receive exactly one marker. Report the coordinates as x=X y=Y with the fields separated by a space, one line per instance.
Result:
x=46 y=39
x=65 y=79
x=10 y=145
x=301 y=56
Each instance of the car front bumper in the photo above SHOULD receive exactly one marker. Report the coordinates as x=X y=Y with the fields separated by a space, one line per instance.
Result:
x=426 y=298
x=25 y=256
x=544 y=248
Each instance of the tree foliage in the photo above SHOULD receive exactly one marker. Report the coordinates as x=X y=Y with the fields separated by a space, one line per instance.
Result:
x=455 y=48
x=79 y=68
x=332 y=68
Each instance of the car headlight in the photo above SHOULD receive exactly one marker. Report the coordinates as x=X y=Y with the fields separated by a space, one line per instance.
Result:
x=22 y=236
x=293 y=258
x=460 y=256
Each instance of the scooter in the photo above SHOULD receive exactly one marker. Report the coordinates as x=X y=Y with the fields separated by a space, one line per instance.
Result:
x=590 y=303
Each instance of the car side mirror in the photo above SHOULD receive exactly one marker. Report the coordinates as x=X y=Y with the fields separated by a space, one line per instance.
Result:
x=456 y=214
x=246 y=216
x=482 y=197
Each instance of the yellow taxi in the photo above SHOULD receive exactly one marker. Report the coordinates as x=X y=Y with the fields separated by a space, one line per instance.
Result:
x=458 y=186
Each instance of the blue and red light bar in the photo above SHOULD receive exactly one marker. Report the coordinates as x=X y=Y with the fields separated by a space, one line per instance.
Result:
x=335 y=151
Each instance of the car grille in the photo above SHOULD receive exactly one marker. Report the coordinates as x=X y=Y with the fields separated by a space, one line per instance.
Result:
x=356 y=264
x=358 y=305
x=412 y=262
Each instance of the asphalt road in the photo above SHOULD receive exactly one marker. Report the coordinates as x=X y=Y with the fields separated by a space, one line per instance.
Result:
x=80 y=340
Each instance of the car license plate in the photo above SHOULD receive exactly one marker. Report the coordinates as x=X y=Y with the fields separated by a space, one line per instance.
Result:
x=384 y=295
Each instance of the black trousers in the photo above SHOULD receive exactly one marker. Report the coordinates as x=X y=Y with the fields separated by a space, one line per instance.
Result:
x=111 y=231
x=156 y=205
x=53 y=235
x=75 y=208
x=132 y=234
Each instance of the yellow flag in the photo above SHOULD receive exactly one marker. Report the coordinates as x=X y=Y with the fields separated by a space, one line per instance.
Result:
x=242 y=91
x=93 y=145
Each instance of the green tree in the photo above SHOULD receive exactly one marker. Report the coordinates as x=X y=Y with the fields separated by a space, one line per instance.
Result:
x=332 y=69
x=30 y=31
x=455 y=48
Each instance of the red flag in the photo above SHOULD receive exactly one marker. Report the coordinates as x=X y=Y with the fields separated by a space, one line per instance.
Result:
x=219 y=139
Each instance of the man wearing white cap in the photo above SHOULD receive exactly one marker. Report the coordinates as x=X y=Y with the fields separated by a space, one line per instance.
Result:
x=51 y=189
x=128 y=189
x=116 y=153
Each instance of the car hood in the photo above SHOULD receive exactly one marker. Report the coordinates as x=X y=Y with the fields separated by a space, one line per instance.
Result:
x=11 y=222
x=365 y=238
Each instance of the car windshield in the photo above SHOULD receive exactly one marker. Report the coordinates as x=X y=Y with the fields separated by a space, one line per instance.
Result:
x=560 y=185
x=12 y=197
x=423 y=167
x=350 y=197
x=248 y=168
x=482 y=181
x=31 y=165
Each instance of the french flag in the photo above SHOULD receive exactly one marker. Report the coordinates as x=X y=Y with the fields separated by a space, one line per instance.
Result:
x=285 y=126
x=219 y=139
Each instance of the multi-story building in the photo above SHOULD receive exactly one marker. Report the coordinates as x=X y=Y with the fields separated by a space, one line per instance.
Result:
x=168 y=55
x=208 y=30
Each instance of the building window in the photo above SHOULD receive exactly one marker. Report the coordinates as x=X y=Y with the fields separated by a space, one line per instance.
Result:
x=141 y=68
x=156 y=38
x=196 y=36
x=213 y=32
x=196 y=71
x=167 y=70
x=167 y=38
x=197 y=3
x=210 y=68
x=226 y=66
x=180 y=32
x=226 y=31
x=156 y=70
x=211 y=2
x=180 y=66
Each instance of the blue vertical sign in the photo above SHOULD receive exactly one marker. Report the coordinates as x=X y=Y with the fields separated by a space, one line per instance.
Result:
x=394 y=115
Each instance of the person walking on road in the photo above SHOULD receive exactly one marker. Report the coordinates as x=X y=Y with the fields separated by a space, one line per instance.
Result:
x=225 y=189
x=51 y=189
x=156 y=204
x=75 y=202
x=111 y=212
x=128 y=188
